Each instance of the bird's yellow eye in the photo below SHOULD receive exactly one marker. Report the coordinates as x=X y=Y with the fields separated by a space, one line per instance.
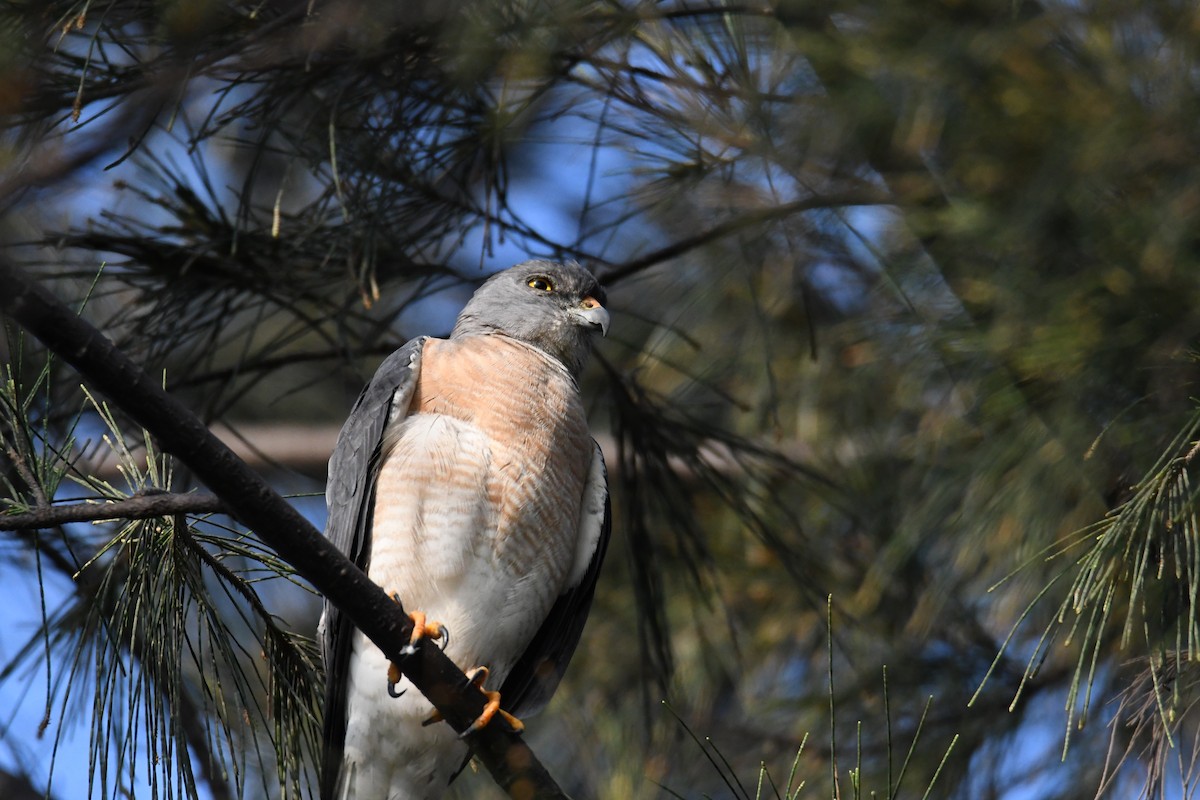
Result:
x=540 y=283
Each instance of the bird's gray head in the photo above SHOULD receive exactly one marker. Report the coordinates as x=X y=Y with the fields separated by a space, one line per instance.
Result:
x=554 y=307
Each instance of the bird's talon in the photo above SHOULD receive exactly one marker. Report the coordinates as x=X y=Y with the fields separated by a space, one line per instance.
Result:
x=514 y=723
x=423 y=629
x=432 y=719
x=477 y=676
x=394 y=678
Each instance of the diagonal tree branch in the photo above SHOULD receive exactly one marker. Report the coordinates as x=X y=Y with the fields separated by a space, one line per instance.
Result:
x=250 y=500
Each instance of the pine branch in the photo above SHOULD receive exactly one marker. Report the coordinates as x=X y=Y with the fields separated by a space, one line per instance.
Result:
x=749 y=220
x=142 y=506
x=256 y=505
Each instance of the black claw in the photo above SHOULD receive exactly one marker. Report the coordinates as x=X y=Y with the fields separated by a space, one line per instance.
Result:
x=392 y=690
x=469 y=678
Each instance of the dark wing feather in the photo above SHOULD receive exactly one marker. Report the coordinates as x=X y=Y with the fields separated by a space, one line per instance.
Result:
x=350 y=497
x=536 y=675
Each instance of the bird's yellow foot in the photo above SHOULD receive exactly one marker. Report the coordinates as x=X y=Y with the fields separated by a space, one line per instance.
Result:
x=477 y=676
x=422 y=629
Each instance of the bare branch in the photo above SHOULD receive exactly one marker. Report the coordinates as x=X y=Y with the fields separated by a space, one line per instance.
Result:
x=142 y=506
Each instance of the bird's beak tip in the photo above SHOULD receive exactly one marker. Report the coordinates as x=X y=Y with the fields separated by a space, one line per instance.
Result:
x=592 y=314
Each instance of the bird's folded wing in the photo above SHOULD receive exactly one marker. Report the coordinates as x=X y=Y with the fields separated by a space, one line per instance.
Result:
x=536 y=675
x=350 y=497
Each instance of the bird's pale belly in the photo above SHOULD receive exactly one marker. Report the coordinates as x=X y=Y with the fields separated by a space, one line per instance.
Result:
x=439 y=543
x=435 y=544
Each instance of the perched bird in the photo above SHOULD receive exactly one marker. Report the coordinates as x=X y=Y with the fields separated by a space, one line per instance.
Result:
x=466 y=483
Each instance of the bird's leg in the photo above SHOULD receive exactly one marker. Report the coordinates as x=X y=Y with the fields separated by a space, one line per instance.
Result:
x=422 y=629
x=477 y=676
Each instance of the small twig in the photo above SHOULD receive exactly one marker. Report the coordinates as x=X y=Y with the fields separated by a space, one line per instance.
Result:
x=22 y=467
x=136 y=507
x=235 y=583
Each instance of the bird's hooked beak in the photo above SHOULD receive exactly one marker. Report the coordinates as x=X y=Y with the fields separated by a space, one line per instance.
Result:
x=589 y=312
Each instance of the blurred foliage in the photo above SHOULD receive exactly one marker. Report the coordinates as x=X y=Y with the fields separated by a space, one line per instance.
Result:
x=904 y=314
